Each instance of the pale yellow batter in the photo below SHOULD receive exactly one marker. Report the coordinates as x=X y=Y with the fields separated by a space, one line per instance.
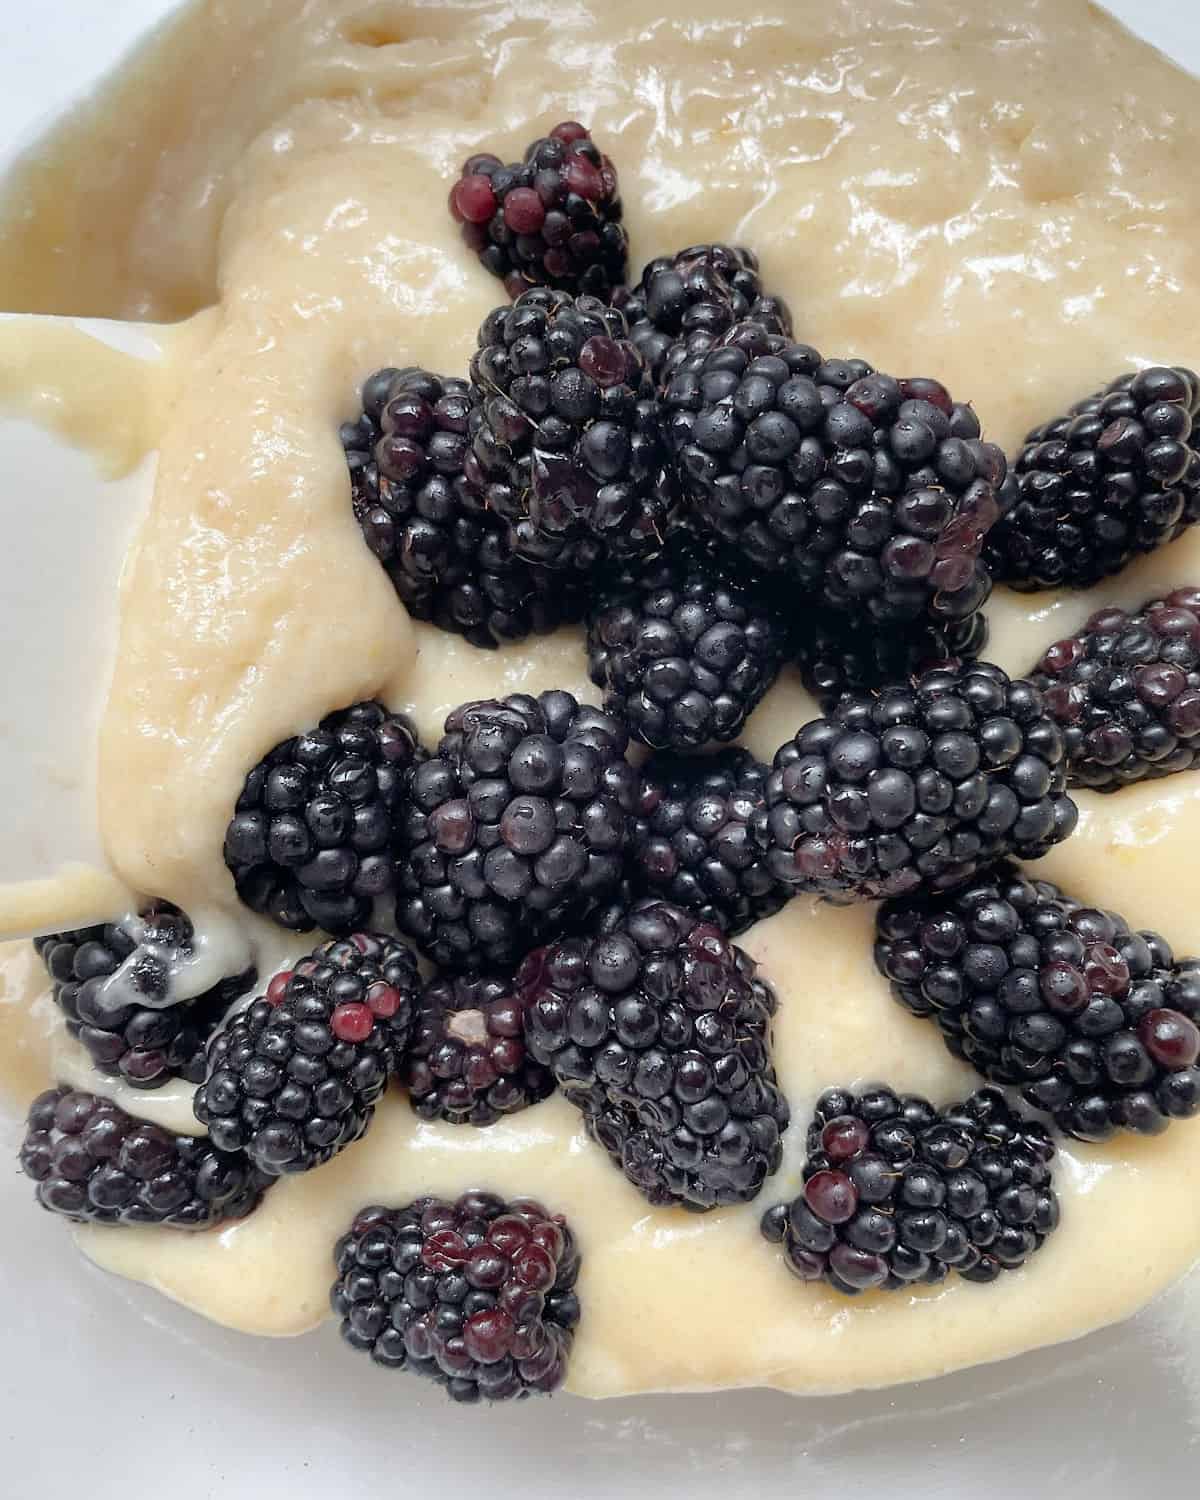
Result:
x=997 y=195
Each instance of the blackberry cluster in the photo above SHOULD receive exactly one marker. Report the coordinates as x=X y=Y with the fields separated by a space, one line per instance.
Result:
x=658 y=1029
x=516 y=827
x=97 y=1165
x=921 y=784
x=468 y=1062
x=898 y=1193
x=449 y=558
x=683 y=648
x=553 y=219
x=1094 y=1023
x=476 y=1295
x=309 y=842
x=1117 y=475
x=296 y=1076
x=116 y=987
x=872 y=494
x=692 y=844
x=835 y=655
x=1126 y=692
x=565 y=442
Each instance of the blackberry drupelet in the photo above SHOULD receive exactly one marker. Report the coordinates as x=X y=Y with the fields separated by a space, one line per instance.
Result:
x=449 y=558
x=296 y=1076
x=898 y=1193
x=95 y=1164
x=309 y=842
x=468 y=1062
x=565 y=440
x=517 y=826
x=477 y=1295
x=835 y=656
x=872 y=494
x=1118 y=475
x=1126 y=692
x=116 y=985
x=920 y=784
x=1095 y=1023
x=658 y=1029
x=692 y=844
x=553 y=219
x=683 y=648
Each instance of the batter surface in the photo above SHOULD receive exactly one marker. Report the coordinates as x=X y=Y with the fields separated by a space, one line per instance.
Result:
x=998 y=196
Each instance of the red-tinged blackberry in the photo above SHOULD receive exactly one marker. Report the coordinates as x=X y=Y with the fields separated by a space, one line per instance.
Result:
x=692 y=844
x=898 y=1193
x=516 y=827
x=477 y=1295
x=118 y=986
x=309 y=842
x=1094 y=1023
x=835 y=655
x=683 y=648
x=919 y=784
x=1118 y=475
x=659 y=1030
x=468 y=1062
x=95 y=1164
x=872 y=494
x=565 y=441
x=553 y=219
x=296 y=1076
x=1126 y=692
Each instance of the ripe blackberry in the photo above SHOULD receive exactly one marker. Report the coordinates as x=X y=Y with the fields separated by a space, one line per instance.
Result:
x=517 y=825
x=658 y=1029
x=836 y=655
x=920 y=784
x=477 y=1295
x=692 y=844
x=683 y=648
x=872 y=494
x=468 y=1062
x=1094 y=1023
x=118 y=986
x=897 y=1192
x=553 y=219
x=450 y=559
x=296 y=1076
x=1116 y=476
x=95 y=1164
x=308 y=845
x=565 y=441
x=1126 y=692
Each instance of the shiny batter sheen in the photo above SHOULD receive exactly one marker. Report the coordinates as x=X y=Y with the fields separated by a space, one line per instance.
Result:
x=1000 y=196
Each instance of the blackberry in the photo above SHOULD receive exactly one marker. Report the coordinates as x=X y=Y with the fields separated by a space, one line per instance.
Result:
x=918 y=784
x=468 y=1062
x=308 y=845
x=1116 y=476
x=97 y=1165
x=658 y=1030
x=1094 y=1023
x=1126 y=692
x=692 y=844
x=477 y=1295
x=873 y=495
x=118 y=987
x=565 y=441
x=835 y=655
x=683 y=648
x=553 y=219
x=517 y=825
x=897 y=1192
x=449 y=558
x=296 y=1076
